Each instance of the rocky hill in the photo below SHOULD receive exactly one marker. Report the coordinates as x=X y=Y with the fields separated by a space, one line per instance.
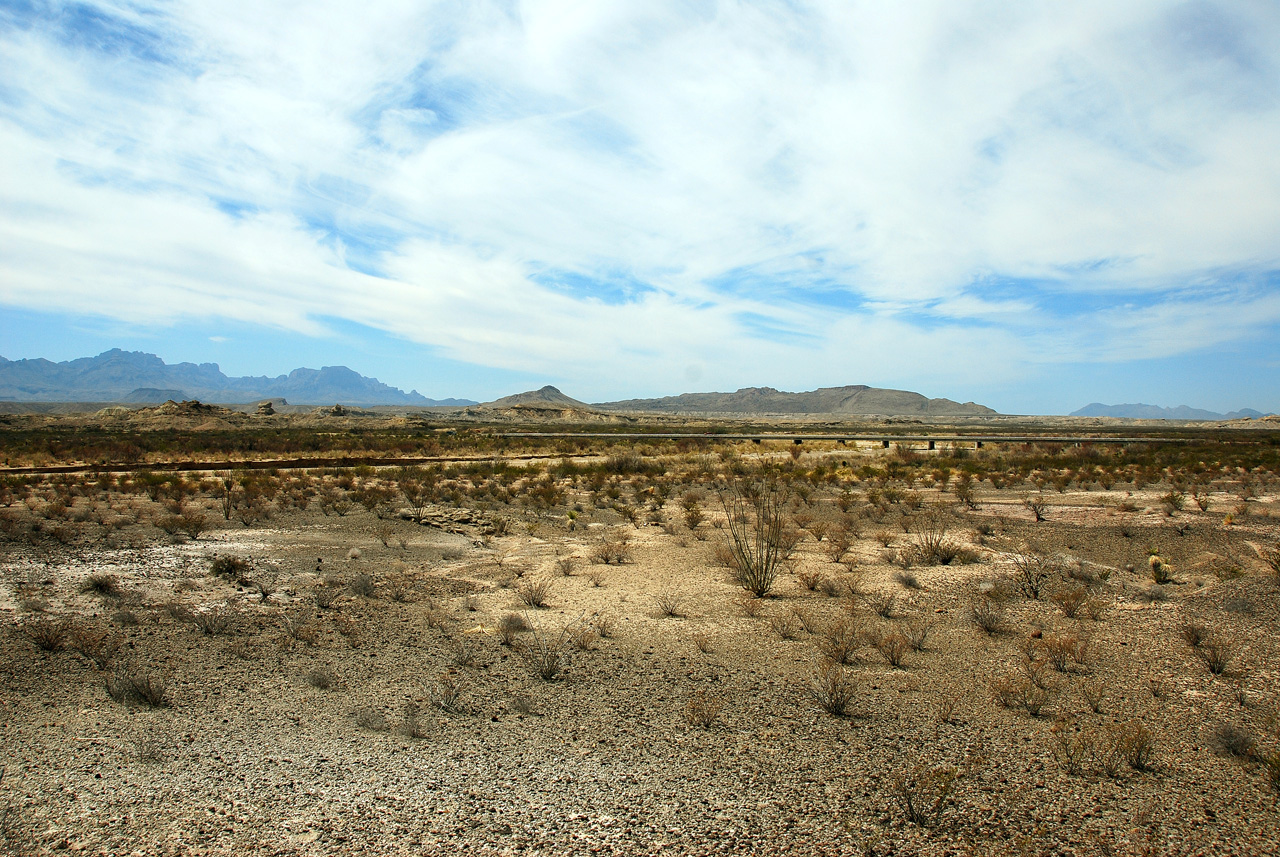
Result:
x=138 y=377
x=856 y=399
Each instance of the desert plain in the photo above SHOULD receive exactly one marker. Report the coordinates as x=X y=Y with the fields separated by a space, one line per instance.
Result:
x=374 y=634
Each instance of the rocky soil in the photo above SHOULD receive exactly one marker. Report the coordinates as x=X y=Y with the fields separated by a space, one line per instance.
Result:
x=369 y=703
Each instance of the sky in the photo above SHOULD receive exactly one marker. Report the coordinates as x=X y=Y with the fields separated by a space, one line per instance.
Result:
x=1029 y=205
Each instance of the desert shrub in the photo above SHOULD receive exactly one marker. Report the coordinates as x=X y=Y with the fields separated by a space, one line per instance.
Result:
x=548 y=654
x=832 y=688
x=810 y=580
x=759 y=540
x=509 y=626
x=1033 y=573
x=230 y=567
x=214 y=621
x=535 y=593
x=1070 y=601
x=751 y=606
x=138 y=686
x=987 y=615
x=1216 y=655
x=883 y=604
x=1232 y=739
x=1071 y=747
x=445 y=693
x=96 y=644
x=321 y=678
x=934 y=547
x=840 y=641
x=1065 y=652
x=922 y=792
x=1021 y=693
x=1194 y=634
x=832 y=587
x=298 y=626
x=1131 y=744
x=702 y=709
x=362 y=586
x=1035 y=505
x=372 y=720
x=785 y=624
x=893 y=647
x=606 y=625
x=1094 y=694
x=584 y=636
x=48 y=635
x=611 y=550
x=101 y=584
x=702 y=640
x=669 y=604
x=566 y=564
x=917 y=633
x=807 y=619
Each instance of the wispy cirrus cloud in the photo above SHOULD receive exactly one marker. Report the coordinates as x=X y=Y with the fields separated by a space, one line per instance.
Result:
x=778 y=193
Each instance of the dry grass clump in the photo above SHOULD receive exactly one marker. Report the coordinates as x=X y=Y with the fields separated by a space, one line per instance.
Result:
x=1022 y=693
x=987 y=615
x=372 y=720
x=1071 y=601
x=548 y=654
x=702 y=709
x=535 y=593
x=922 y=792
x=892 y=646
x=612 y=550
x=232 y=568
x=1034 y=573
x=1216 y=654
x=840 y=641
x=48 y=635
x=1232 y=739
x=832 y=688
x=322 y=678
x=445 y=694
x=509 y=626
x=138 y=686
x=101 y=584
x=362 y=586
x=785 y=624
x=810 y=580
x=669 y=604
x=214 y=621
x=96 y=644
x=703 y=641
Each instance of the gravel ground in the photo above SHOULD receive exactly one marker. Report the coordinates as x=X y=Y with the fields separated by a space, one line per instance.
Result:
x=252 y=757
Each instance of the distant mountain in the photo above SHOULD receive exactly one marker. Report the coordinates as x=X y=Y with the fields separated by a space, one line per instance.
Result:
x=1155 y=412
x=857 y=399
x=548 y=398
x=135 y=376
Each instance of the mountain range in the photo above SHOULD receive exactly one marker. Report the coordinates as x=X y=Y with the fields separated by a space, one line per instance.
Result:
x=857 y=399
x=138 y=377
x=1155 y=412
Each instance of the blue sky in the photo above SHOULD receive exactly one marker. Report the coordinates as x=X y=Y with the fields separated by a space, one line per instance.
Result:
x=1032 y=205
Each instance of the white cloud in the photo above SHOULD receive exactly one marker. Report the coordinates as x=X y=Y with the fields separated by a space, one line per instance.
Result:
x=920 y=159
